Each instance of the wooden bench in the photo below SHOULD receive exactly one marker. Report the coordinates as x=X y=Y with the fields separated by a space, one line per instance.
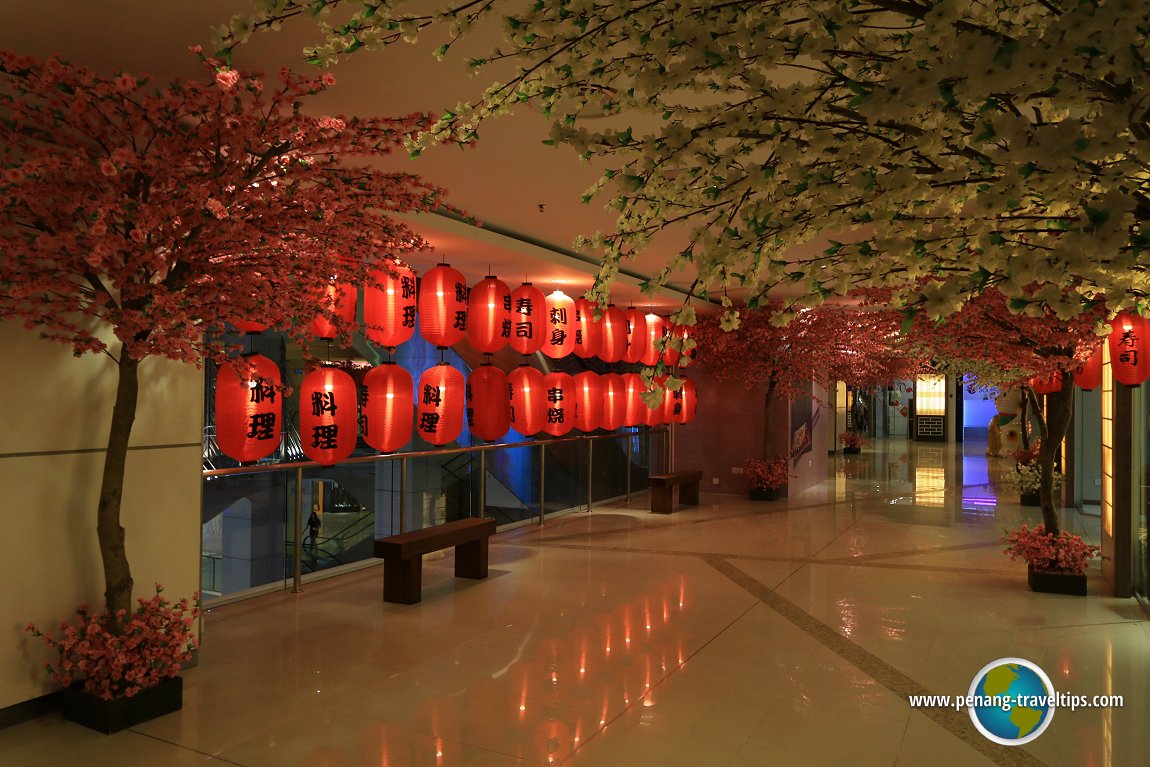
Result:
x=663 y=490
x=402 y=555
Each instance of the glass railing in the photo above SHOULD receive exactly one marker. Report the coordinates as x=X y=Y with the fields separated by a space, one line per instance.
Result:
x=256 y=531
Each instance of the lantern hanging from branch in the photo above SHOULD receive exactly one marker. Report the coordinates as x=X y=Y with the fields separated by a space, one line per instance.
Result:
x=443 y=309
x=249 y=409
x=587 y=330
x=1089 y=375
x=613 y=335
x=386 y=403
x=327 y=415
x=527 y=394
x=560 y=399
x=488 y=407
x=439 y=404
x=614 y=401
x=336 y=299
x=528 y=319
x=636 y=330
x=489 y=315
x=389 y=309
x=1129 y=337
x=559 y=337
x=588 y=401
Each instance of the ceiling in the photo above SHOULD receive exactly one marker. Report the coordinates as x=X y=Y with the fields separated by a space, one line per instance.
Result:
x=527 y=195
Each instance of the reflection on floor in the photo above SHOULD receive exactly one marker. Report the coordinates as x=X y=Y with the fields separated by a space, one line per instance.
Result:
x=737 y=633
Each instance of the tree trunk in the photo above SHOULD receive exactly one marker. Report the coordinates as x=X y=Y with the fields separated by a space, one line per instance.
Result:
x=117 y=574
x=1057 y=424
x=767 y=418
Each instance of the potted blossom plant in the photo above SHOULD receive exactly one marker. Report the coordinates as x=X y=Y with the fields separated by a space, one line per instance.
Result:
x=1027 y=475
x=120 y=673
x=1055 y=564
x=768 y=478
x=852 y=442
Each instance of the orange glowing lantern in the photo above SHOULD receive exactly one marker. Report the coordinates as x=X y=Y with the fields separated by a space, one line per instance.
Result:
x=560 y=403
x=1049 y=384
x=528 y=319
x=656 y=329
x=488 y=408
x=635 y=413
x=1089 y=375
x=559 y=336
x=613 y=335
x=637 y=334
x=443 y=310
x=386 y=402
x=389 y=308
x=336 y=299
x=587 y=330
x=1128 y=341
x=328 y=417
x=439 y=404
x=614 y=401
x=489 y=315
x=527 y=394
x=249 y=409
x=588 y=401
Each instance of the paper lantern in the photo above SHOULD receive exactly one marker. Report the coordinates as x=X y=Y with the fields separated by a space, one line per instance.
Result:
x=243 y=326
x=489 y=315
x=526 y=390
x=588 y=401
x=1128 y=348
x=249 y=409
x=656 y=329
x=614 y=401
x=654 y=415
x=328 y=415
x=528 y=319
x=1050 y=384
x=559 y=338
x=560 y=402
x=488 y=407
x=674 y=356
x=439 y=404
x=690 y=401
x=336 y=299
x=635 y=413
x=587 y=330
x=636 y=331
x=1089 y=375
x=389 y=310
x=443 y=309
x=612 y=335
x=385 y=407
x=679 y=406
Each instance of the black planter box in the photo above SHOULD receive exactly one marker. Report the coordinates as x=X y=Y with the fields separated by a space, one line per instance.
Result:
x=851 y=450
x=1030 y=499
x=1056 y=583
x=768 y=494
x=109 y=716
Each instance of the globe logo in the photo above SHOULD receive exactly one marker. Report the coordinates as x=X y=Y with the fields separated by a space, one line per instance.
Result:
x=1014 y=701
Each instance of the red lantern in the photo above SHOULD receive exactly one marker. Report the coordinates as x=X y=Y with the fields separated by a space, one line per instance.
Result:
x=489 y=315
x=385 y=405
x=614 y=401
x=336 y=299
x=439 y=404
x=488 y=409
x=559 y=338
x=1089 y=375
x=679 y=405
x=528 y=319
x=243 y=326
x=1050 y=384
x=636 y=335
x=690 y=401
x=443 y=310
x=1128 y=341
x=389 y=310
x=560 y=398
x=673 y=356
x=526 y=388
x=328 y=417
x=636 y=409
x=249 y=409
x=588 y=401
x=654 y=415
x=613 y=335
x=587 y=330
x=656 y=329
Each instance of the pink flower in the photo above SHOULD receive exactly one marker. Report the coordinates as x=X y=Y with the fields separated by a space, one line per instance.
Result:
x=226 y=79
x=107 y=167
x=216 y=208
x=196 y=49
x=327 y=79
x=332 y=123
x=126 y=83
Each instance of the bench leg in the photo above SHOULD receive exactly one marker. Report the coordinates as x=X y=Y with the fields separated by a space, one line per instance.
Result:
x=689 y=494
x=662 y=500
x=402 y=580
x=471 y=559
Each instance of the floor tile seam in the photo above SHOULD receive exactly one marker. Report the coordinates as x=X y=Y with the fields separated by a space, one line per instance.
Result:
x=213 y=757
x=925 y=551
x=889 y=677
x=638 y=701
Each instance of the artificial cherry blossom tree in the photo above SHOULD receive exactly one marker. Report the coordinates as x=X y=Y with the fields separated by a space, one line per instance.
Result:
x=826 y=143
x=831 y=343
x=139 y=219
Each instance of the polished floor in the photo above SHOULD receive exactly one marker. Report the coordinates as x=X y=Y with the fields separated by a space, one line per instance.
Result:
x=734 y=633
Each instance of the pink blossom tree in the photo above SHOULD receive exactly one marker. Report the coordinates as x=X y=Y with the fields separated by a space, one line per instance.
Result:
x=140 y=219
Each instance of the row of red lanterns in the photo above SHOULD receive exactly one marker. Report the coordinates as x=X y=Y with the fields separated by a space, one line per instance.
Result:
x=249 y=408
x=1129 y=343
x=491 y=316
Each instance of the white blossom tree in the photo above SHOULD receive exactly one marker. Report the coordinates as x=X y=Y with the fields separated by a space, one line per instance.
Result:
x=828 y=143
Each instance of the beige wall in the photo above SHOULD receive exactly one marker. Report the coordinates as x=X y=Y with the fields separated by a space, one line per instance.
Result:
x=52 y=431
